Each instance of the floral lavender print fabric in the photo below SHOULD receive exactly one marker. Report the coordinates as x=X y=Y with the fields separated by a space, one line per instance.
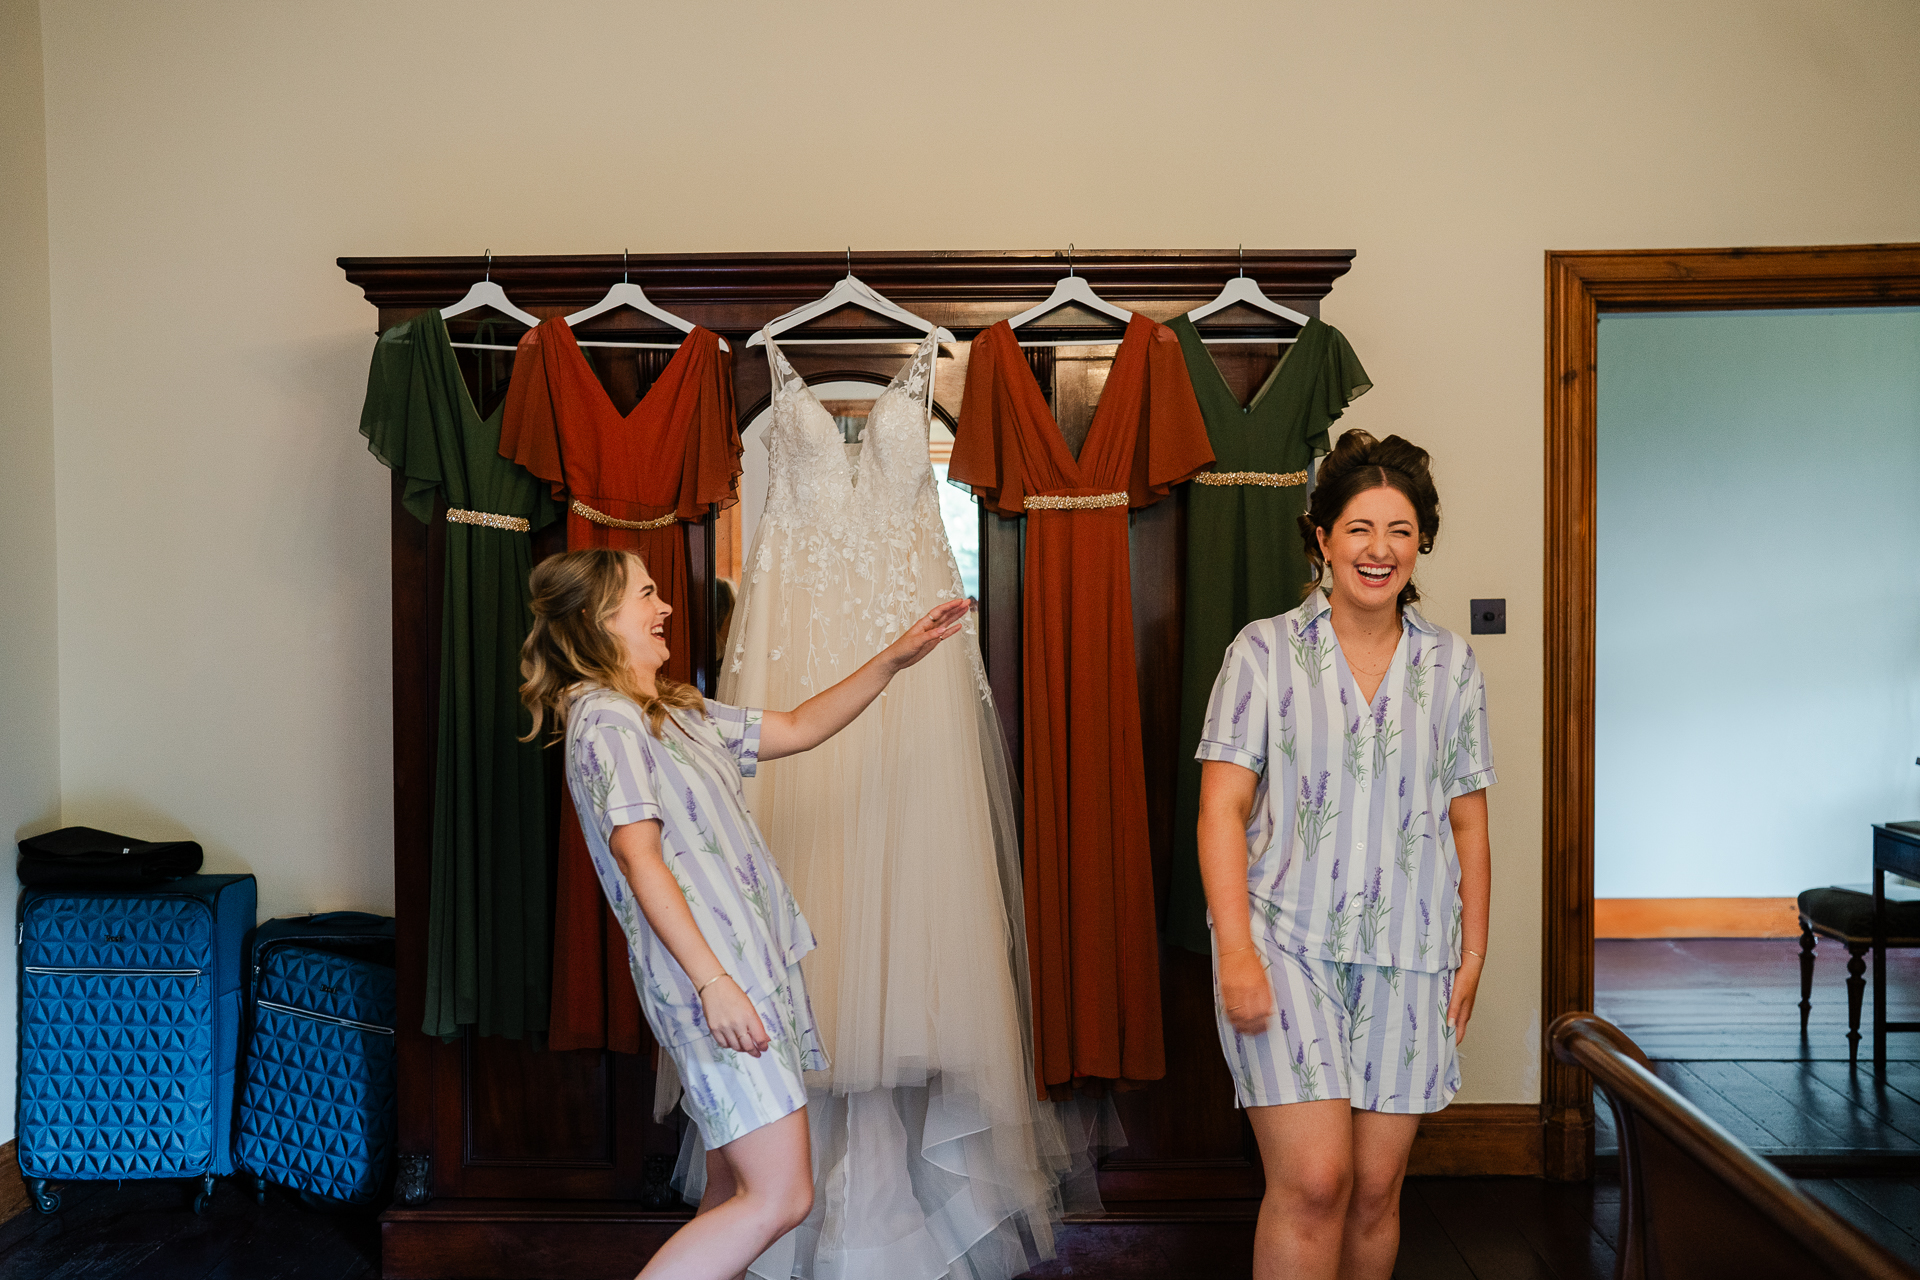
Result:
x=1378 y=1037
x=1351 y=855
x=688 y=780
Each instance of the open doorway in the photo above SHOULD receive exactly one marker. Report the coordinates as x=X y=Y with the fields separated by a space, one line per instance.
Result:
x=1580 y=287
x=1756 y=694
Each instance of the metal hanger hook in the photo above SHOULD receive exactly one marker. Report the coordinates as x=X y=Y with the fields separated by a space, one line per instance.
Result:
x=1243 y=260
x=849 y=262
x=489 y=274
x=623 y=266
x=1069 y=257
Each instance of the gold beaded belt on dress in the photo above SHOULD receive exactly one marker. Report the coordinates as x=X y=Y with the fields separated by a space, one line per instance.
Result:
x=1271 y=479
x=600 y=517
x=487 y=520
x=1048 y=502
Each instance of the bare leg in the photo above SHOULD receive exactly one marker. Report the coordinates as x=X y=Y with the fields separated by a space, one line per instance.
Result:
x=721 y=1188
x=772 y=1171
x=1307 y=1151
x=1371 y=1242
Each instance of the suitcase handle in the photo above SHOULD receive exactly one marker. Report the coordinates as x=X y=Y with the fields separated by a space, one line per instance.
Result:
x=345 y=918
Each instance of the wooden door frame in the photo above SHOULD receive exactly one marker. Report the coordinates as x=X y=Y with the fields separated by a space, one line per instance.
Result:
x=1581 y=285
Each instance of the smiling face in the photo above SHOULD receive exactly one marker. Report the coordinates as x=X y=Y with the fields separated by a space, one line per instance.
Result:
x=640 y=622
x=1371 y=548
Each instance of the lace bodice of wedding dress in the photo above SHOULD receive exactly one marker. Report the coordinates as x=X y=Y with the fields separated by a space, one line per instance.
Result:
x=852 y=522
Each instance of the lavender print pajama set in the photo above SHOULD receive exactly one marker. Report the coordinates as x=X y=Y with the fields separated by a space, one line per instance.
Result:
x=688 y=779
x=1352 y=876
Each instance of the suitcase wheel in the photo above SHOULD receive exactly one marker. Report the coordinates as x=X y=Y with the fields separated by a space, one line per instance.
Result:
x=44 y=1200
x=205 y=1195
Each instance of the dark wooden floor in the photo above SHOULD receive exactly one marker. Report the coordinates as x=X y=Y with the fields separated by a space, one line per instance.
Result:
x=1691 y=999
x=1452 y=1229
x=1720 y=1017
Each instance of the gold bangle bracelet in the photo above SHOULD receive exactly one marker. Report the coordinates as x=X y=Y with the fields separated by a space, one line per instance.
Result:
x=709 y=982
x=1236 y=951
x=1481 y=954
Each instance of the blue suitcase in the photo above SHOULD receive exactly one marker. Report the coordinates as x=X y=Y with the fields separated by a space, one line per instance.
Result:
x=318 y=1109
x=130 y=1003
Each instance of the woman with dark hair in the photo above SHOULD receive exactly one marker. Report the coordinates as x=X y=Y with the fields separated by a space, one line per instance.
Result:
x=715 y=939
x=1343 y=846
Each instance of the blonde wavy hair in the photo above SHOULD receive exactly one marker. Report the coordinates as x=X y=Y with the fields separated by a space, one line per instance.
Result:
x=574 y=594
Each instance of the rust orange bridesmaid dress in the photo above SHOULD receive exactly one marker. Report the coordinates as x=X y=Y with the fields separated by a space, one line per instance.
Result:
x=634 y=481
x=1088 y=872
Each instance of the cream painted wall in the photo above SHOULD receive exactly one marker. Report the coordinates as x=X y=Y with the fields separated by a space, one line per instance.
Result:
x=29 y=654
x=223 y=622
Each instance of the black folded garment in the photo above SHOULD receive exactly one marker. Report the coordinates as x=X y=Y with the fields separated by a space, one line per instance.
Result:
x=83 y=858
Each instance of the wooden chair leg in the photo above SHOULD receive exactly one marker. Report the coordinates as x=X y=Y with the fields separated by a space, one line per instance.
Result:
x=1806 y=974
x=1856 y=990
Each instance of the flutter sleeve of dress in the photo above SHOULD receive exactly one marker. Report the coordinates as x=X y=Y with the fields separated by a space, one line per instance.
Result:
x=986 y=446
x=711 y=478
x=530 y=420
x=1236 y=725
x=739 y=729
x=398 y=419
x=1465 y=755
x=1172 y=443
x=1339 y=383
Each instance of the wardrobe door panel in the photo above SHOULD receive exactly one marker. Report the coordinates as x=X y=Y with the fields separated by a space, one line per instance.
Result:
x=543 y=1107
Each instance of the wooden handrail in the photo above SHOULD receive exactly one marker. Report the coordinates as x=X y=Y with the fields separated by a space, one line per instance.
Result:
x=1692 y=1194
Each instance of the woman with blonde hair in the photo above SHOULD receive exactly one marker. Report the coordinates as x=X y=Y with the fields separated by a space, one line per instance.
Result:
x=716 y=938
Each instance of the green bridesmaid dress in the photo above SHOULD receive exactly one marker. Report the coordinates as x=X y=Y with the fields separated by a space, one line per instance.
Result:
x=489 y=948
x=1245 y=559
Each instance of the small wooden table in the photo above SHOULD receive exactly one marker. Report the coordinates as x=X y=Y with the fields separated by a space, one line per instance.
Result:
x=1896 y=848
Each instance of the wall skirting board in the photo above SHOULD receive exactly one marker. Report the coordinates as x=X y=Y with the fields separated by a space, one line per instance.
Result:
x=1695 y=918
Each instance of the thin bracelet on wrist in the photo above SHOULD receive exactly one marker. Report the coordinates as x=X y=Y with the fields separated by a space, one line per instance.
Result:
x=1470 y=951
x=709 y=982
x=1236 y=951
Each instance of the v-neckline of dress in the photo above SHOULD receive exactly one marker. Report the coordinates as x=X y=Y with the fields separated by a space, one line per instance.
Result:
x=466 y=395
x=848 y=464
x=1260 y=397
x=1137 y=329
x=606 y=400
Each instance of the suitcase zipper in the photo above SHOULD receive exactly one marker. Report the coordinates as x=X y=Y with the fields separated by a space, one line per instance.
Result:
x=277 y=1007
x=136 y=973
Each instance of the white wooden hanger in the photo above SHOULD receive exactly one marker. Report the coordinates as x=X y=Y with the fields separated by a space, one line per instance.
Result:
x=485 y=293
x=854 y=292
x=1070 y=288
x=1241 y=290
x=625 y=293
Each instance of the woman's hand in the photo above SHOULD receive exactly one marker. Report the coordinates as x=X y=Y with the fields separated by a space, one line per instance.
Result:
x=732 y=1019
x=924 y=636
x=1466 y=983
x=1245 y=992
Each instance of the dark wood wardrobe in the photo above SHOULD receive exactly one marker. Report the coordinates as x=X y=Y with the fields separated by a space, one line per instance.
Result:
x=523 y=1163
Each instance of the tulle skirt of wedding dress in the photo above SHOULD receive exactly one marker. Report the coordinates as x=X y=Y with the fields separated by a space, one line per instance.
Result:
x=899 y=838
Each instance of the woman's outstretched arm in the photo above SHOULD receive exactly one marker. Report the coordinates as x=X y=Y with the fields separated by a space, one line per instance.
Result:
x=786 y=733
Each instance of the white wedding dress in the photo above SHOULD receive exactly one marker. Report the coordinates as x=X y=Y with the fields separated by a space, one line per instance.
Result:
x=899 y=837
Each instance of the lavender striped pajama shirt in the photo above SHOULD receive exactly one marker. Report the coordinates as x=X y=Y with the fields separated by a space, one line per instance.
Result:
x=1352 y=877
x=688 y=780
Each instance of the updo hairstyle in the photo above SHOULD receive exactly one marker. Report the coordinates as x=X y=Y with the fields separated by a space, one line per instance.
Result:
x=1359 y=463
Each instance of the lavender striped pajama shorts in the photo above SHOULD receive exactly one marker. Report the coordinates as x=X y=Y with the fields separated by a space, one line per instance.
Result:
x=1376 y=1036
x=730 y=1094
